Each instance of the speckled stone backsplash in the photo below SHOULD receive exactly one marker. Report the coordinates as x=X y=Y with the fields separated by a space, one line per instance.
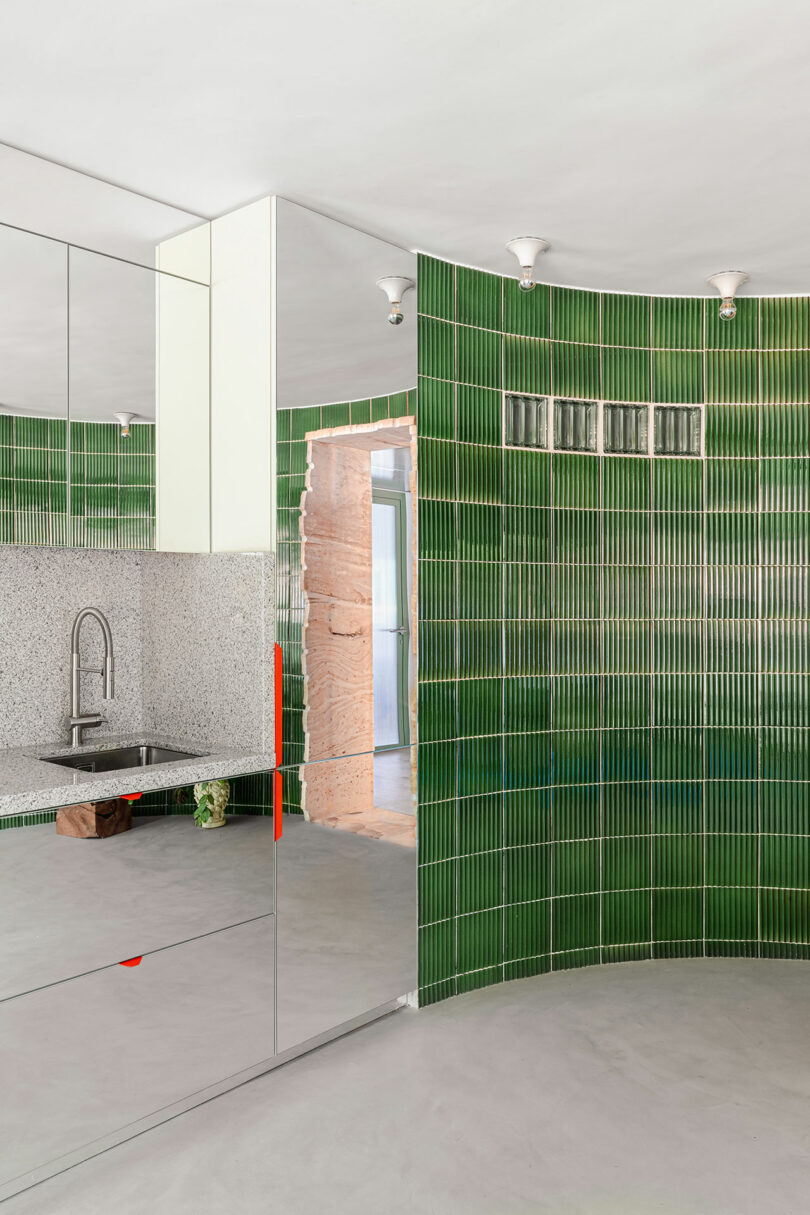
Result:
x=192 y=635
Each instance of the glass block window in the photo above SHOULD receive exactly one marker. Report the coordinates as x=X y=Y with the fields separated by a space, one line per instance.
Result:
x=626 y=429
x=676 y=430
x=575 y=425
x=526 y=422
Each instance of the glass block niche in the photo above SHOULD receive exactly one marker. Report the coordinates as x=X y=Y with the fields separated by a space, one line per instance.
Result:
x=575 y=425
x=676 y=430
x=626 y=429
x=526 y=421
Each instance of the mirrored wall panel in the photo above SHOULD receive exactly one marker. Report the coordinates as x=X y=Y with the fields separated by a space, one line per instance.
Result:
x=92 y=348
x=346 y=937
x=33 y=389
x=346 y=493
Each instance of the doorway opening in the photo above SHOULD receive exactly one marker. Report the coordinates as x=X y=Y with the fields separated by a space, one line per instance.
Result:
x=358 y=582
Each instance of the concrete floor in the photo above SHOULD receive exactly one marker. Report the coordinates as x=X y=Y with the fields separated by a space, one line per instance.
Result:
x=678 y=1088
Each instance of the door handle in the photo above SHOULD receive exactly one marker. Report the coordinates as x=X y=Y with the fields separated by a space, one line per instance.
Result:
x=402 y=631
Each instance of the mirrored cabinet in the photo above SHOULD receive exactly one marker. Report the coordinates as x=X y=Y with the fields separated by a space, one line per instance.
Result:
x=254 y=389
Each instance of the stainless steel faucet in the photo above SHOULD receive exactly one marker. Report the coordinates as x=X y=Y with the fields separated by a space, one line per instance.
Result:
x=78 y=721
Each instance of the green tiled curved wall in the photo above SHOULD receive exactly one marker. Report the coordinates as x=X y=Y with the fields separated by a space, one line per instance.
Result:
x=613 y=651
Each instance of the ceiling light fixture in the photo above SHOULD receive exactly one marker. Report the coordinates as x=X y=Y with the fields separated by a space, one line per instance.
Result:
x=527 y=249
x=728 y=283
x=124 y=420
x=394 y=288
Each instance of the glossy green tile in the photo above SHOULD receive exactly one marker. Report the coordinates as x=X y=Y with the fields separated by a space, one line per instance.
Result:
x=478 y=357
x=527 y=478
x=785 y=323
x=478 y=298
x=785 y=430
x=677 y=323
x=436 y=287
x=677 y=915
x=626 y=916
x=437 y=416
x=626 y=863
x=527 y=931
x=574 y=315
x=480 y=882
x=436 y=346
x=785 y=376
x=575 y=922
x=739 y=333
x=575 y=481
x=526 y=312
x=626 y=375
x=480 y=940
x=626 y=320
x=478 y=415
x=626 y=753
x=732 y=430
x=527 y=365
x=575 y=370
x=732 y=376
x=677 y=376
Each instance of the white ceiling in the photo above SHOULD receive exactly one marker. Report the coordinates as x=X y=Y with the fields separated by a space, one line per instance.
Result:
x=651 y=144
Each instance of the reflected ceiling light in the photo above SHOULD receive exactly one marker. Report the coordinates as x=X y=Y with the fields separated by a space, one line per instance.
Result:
x=394 y=288
x=527 y=249
x=727 y=283
x=124 y=420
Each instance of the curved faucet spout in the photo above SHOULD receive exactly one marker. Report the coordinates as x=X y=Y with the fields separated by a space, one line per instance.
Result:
x=78 y=721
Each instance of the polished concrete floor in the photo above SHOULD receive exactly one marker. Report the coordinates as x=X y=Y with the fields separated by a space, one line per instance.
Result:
x=675 y=1088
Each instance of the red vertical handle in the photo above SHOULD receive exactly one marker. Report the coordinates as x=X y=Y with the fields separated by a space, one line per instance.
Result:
x=277 y=780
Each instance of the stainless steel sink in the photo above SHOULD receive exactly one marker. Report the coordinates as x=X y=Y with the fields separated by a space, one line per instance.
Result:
x=125 y=757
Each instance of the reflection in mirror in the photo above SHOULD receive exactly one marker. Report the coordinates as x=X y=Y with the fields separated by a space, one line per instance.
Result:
x=88 y=1045
x=346 y=922
x=346 y=498
x=112 y=402
x=33 y=389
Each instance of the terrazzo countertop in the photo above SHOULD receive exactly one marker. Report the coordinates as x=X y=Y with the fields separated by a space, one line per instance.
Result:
x=28 y=783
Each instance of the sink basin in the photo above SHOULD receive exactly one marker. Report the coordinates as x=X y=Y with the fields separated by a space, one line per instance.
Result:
x=125 y=757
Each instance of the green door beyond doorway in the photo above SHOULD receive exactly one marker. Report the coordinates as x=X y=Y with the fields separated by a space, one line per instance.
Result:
x=390 y=619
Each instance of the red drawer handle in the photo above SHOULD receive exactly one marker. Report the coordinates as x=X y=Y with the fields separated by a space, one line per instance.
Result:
x=277 y=780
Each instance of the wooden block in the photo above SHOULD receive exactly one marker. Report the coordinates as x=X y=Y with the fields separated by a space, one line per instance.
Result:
x=94 y=820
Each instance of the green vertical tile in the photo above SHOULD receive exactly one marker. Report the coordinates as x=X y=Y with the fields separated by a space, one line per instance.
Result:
x=478 y=357
x=785 y=376
x=436 y=346
x=625 y=374
x=732 y=376
x=437 y=416
x=576 y=370
x=785 y=323
x=677 y=323
x=436 y=287
x=625 y=320
x=527 y=313
x=478 y=415
x=574 y=315
x=478 y=298
x=738 y=333
x=527 y=365
x=677 y=376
